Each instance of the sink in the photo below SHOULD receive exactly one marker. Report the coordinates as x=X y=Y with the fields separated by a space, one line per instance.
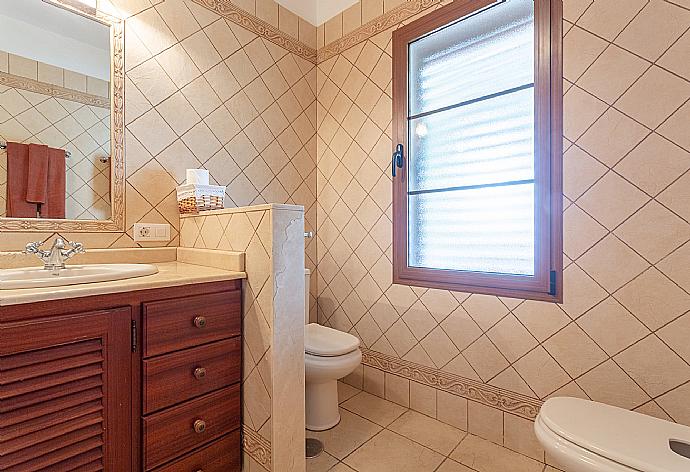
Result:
x=36 y=277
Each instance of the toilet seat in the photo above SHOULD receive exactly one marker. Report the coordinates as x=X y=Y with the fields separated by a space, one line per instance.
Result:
x=608 y=438
x=572 y=457
x=321 y=341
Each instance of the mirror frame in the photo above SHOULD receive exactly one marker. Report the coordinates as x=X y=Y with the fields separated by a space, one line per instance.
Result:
x=116 y=223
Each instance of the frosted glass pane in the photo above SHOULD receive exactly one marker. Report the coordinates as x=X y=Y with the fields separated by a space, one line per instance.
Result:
x=481 y=230
x=489 y=52
x=488 y=142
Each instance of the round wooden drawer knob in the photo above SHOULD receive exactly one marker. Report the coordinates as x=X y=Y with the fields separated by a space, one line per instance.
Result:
x=199 y=426
x=200 y=321
x=199 y=373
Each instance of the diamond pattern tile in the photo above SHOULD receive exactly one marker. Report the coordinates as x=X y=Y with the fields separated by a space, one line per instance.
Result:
x=261 y=128
x=626 y=217
x=81 y=129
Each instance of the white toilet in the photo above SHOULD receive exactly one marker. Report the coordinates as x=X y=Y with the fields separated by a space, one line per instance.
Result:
x=585 y=436
x=329 y=355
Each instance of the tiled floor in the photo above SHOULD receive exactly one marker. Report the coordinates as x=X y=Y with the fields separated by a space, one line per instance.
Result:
x=375 y=435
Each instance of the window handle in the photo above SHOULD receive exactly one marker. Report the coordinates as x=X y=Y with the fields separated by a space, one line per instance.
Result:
x=397 y=158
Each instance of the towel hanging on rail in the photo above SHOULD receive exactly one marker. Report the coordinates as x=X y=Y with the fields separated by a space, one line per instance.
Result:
x=3 y=145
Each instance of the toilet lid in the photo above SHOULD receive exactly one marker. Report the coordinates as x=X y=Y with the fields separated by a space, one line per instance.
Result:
x=632 y=439
x=327 y=342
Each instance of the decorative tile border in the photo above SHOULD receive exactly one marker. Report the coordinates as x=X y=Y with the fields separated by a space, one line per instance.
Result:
x=258 y=447
x=495 y=397
x=56 y=91
x=374 y=27
x=228 y=10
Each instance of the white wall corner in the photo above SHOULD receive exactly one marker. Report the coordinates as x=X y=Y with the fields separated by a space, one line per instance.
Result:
x=317 y=12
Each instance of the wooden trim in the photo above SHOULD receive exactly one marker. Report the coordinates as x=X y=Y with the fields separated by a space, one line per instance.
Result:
x=548 y=125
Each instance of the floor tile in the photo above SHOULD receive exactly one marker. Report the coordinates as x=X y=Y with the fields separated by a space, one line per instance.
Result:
x=390 y=452
x=345 y=392
x=322 y=463
x=352 y=432
x=427 y=431
x=485 y=456
x=342 y=468
x=451 y=466
x=373 y=408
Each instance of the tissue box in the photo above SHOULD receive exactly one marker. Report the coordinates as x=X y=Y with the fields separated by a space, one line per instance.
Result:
x=193 y=198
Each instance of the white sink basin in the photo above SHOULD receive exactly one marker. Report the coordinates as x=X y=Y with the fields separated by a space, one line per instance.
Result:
x=36 y=277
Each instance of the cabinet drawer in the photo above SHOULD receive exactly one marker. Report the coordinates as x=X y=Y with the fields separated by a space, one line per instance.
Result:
x=186 y=427
x=177 y=377
x=170 y=325
x=220 y=456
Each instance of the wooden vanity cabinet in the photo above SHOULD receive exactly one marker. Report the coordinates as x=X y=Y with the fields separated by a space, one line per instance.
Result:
x=141 y=381
x=64 y=395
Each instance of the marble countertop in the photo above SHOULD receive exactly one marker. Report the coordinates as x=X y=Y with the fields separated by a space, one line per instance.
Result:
x=170 y=274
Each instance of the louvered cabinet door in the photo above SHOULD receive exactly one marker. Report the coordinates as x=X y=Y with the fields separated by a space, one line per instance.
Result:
x=65 y=393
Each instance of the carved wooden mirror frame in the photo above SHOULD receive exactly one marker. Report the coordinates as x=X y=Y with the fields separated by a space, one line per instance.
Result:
x=116 y=223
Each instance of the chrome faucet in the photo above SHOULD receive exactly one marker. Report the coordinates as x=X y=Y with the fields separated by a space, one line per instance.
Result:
x=55 y=258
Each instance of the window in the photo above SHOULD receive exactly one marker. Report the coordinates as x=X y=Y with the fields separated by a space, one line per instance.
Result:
x=477 y=124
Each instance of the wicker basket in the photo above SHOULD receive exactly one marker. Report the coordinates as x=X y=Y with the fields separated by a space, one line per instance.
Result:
x=193 y=198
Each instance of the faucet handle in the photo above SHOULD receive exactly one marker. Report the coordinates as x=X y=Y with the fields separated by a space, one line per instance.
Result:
x=33 y=247
x=76 y=248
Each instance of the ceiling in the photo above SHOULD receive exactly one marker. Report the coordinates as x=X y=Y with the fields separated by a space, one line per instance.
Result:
x=317 y=12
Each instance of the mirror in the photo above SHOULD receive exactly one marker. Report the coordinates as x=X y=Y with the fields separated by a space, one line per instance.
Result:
x=60 y=136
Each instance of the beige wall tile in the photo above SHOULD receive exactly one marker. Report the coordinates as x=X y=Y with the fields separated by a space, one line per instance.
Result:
x=51 y=74
x=307 y=33
x=352 y=18
x=581 y=49
x=451 y=409
x=4 y=61
x=23 y=67
x=519 y=436
x=654 y=366
x=288 y=22
x=485 y=422
x=75 y=81
x=654 y=97
x=371 y=9
x=397 y=389
x=373 y=381
x=388 y=5
x=333 y=29
x=660 y=24
x=267 y=10
x=423 y=399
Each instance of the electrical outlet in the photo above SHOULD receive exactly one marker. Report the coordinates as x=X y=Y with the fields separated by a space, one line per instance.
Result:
x=148 y=232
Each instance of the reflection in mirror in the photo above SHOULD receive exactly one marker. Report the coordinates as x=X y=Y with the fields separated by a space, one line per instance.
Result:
x=54 y=113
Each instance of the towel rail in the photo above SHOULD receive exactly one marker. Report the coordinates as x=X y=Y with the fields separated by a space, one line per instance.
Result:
x=3 y=145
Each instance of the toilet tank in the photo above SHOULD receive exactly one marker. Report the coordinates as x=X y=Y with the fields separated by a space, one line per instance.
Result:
x=307 y=275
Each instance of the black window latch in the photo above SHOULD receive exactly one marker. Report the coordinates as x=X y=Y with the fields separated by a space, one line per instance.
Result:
x=397 y=158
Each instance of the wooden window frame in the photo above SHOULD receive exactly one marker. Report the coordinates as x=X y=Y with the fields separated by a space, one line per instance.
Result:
x=547 y=282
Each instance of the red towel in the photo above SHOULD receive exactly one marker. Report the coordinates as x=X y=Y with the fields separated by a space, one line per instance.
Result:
x=37 y=174
x=17 y=173
x=54 y=207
